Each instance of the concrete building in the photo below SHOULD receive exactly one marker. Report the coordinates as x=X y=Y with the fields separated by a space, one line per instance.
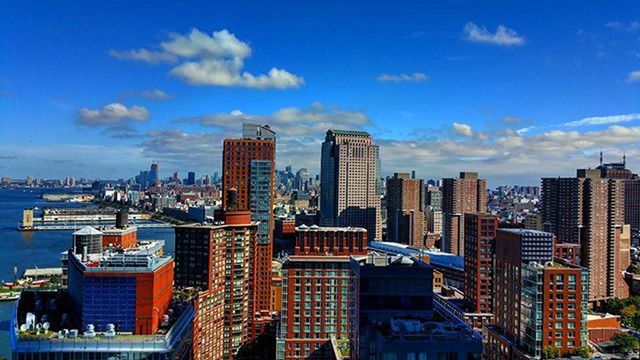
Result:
x=464 y=195
x=538 y=302
x=349 y=172
x=248 y=166
x=405 y=210
x=589 y=210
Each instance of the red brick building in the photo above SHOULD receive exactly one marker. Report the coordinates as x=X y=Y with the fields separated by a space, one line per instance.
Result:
x=315 y=299
x=217 y=262
x=538 y=302
x=248 y=165
x=480 y=233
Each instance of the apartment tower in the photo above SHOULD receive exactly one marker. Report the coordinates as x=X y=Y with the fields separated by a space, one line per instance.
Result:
x=589 y=210
x=464 y=195
x=405 y=210
x=248 y=166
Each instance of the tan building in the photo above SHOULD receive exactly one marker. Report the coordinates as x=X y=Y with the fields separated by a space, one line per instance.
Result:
x=465 y=195
x=348 y=182
x=589 y=210
x=405 y=213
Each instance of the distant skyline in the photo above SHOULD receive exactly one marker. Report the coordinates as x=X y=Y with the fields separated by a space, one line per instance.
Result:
x=513 y=91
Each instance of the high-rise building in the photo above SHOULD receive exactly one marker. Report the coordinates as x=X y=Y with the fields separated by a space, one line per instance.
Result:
x=631 y=189
x=217 y=261
x=539 y=303
x=433 y=197
x=315 y=291
x=465 y=195
x=405 y=211
x=349 y=178
x=479 y=248
x=154 y=174
x=248 y=165
x=589 y=210
x=191 y=178
x=302 y=176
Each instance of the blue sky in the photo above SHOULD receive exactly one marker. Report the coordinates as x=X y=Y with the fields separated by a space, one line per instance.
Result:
x=514 y=91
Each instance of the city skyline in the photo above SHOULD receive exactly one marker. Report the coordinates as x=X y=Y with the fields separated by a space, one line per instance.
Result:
x=471 y=92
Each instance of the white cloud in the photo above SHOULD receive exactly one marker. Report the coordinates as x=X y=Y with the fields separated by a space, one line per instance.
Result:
x=143 y=55
x=462 y=129
x=155 y=94
x=200 y=45
x=634 y=76
x=603 y=120
x=415 y=77
x=630 y=27
x=216 y=59
x=112 y=115
x=502 y=37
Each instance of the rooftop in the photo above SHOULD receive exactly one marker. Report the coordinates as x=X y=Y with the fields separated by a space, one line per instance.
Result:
x=87 y=230
x=348 y=132
x=141 y=258
x=55 y=330
x=328 y=228
x=526 y=232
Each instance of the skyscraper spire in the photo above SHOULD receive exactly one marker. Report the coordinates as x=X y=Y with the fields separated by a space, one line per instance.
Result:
x=600 y=157
x=624 y=160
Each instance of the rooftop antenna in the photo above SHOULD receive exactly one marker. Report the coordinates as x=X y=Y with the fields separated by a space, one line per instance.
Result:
x=624 y=160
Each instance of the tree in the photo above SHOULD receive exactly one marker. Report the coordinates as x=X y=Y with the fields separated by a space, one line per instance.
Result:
x=582 y=351
x=625 y=342
x=550 y=352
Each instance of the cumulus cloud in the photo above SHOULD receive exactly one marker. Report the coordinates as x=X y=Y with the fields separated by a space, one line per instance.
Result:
x=112 y=115
x=316 y=119
x=216 y=59
x=634 y=76
x=415 y=77
x=462 y=129
x=503 y=36
x=603 y=120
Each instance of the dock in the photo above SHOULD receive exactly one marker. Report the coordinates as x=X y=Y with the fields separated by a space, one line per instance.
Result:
x=77 y=225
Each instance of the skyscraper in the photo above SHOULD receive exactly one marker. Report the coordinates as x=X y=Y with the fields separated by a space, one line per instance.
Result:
x=154 y=174
x=405 y=212
x=589 y=210
x=538 y=302
x=465 y=195
x=248 y=165
x=191 y=178
x=631 y=189
x=349 y=176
